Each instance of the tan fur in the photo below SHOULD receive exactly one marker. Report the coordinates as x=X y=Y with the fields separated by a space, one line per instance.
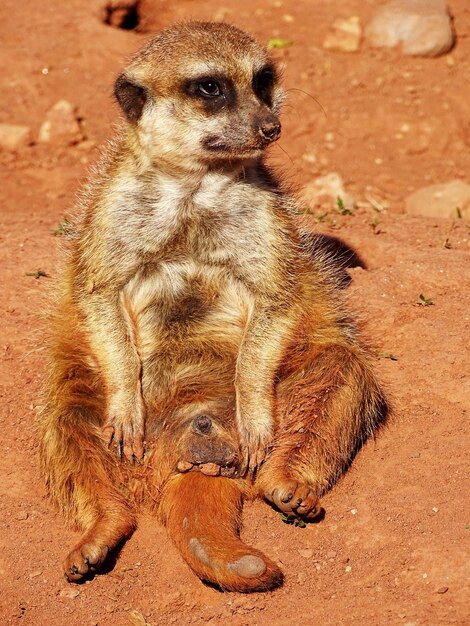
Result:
x=198 y=328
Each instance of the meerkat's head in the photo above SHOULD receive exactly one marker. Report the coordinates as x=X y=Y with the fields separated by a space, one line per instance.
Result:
x=202 y=94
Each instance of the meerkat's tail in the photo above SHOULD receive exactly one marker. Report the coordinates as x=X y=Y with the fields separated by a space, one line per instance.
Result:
x=202 y=514
x=80 y=473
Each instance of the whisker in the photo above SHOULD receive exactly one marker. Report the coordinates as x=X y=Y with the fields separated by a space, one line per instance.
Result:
x=310 y=96
x=285 y=152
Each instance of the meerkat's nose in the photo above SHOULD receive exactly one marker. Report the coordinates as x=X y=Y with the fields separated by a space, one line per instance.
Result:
x=270 y=130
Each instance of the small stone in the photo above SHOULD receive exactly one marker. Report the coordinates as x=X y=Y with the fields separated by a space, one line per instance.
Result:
x=136 y=618
x=22 y=515
x=435 y=509
x=35 y=574
x=353 y=511
x=451 y=199
x=309 y=157
x=69 y=593
x=61 y=125
x=184 y=466
x=345 y=35
x=331 y=554
x=305 y=553
x=442 y=590
x=422 y=27
x=348 y=569
x=86 y=145
x=210 y=469
x=14 y=136
x=326 y=190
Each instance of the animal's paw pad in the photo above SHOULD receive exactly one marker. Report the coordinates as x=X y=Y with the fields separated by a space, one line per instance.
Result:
x=83 y=560
x=294 y=498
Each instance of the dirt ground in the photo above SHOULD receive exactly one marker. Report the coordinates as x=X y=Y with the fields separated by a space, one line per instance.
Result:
x=393 y=547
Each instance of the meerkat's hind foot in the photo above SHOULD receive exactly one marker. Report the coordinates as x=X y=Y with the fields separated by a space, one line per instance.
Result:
x=292 y=497
x=84 y=559
x=97 y=546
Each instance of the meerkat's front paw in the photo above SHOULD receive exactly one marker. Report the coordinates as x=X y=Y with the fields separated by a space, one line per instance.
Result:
x=125 y=426
x=254 y=448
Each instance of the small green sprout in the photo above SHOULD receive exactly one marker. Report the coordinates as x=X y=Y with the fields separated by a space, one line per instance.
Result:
x=423 y=301
x=63 y=228
x=37 y=274
x=387 y=355
x=321 y=217
x=373 y=224
x=292 y=519
x=278 y=43
x=341 y=209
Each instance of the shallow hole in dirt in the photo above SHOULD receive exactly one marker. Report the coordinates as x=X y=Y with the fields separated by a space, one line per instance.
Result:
x=122 y=14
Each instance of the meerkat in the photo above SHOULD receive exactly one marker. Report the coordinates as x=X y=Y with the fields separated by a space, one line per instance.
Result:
x=198 y=327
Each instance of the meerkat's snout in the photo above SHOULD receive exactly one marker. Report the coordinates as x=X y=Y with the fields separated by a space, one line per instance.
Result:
x=244 y=111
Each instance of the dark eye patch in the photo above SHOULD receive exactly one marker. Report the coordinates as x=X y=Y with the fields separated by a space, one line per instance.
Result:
x=263 y=84
x=214 y=92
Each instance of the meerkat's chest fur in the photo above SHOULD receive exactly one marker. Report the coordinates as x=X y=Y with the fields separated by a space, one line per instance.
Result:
x=218 y=220
x=203 y=247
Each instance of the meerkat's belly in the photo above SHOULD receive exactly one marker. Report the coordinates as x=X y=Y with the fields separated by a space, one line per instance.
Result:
x=187 y=322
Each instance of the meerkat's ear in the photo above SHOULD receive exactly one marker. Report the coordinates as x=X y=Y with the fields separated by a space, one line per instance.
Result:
x=131 y=97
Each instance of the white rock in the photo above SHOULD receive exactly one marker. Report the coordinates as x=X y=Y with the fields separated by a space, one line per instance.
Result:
x=444 y=200
x=305 y=553
x=326 y=189
x=61 y=125
x=13 y=136
x=423 y=27
x=345 y=35
x=69 y=593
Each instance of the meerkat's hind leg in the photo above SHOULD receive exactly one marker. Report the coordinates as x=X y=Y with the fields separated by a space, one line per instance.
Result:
x=328 y=407
x=98 y=544
x=82 y=477
x=81 y=473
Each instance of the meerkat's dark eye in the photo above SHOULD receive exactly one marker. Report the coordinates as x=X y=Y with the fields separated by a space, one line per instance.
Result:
x=209 y=88
x=263 y=83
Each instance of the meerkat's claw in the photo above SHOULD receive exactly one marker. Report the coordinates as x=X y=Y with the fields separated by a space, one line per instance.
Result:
x=129 y=441
x=254 y=453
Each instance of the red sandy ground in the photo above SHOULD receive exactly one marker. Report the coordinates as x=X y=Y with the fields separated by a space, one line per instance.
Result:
x=391 y=549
